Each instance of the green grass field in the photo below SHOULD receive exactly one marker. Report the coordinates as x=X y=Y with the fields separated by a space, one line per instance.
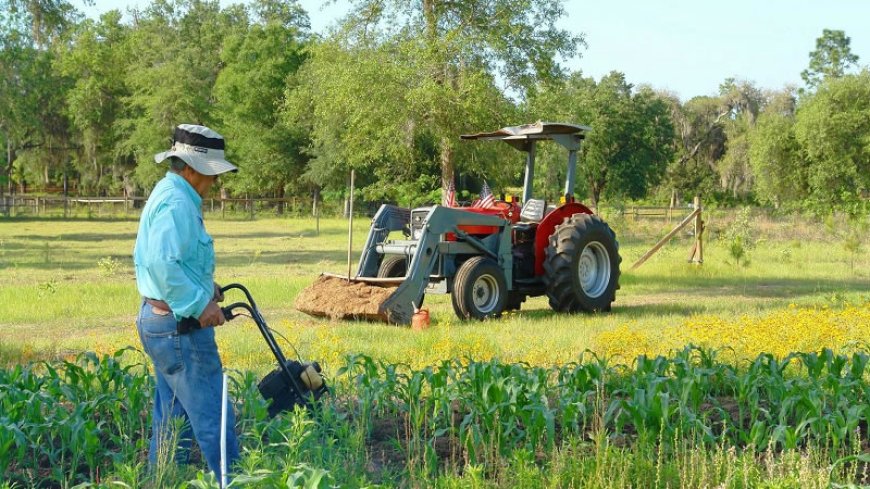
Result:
x=503 y=404
x=68 y=286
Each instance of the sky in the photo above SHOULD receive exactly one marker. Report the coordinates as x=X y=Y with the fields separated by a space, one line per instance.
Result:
x=687 y=47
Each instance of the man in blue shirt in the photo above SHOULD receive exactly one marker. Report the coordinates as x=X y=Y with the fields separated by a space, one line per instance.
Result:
x=174 y=260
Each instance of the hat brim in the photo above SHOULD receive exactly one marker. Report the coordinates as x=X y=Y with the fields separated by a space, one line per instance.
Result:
x=205 y=164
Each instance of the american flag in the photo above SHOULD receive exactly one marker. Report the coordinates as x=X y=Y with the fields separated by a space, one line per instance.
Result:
x=486 y=198
x=451 y=195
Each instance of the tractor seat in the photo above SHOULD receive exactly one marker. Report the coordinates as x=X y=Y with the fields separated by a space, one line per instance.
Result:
x=533 y=210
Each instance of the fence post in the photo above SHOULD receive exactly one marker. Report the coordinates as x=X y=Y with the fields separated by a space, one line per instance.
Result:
x=251 y=201
x=685 y=222
x=699 y=234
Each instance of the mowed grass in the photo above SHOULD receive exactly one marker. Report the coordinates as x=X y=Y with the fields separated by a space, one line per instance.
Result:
x=69 y=286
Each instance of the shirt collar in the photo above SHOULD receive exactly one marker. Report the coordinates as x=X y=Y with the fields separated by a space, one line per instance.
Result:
x=179 y=181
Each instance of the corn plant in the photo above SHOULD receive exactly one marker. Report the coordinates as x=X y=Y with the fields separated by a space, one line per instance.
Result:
x=71 y=422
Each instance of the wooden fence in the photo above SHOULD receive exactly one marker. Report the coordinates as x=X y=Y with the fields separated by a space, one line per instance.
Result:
x=59 y=206
x=664 y=213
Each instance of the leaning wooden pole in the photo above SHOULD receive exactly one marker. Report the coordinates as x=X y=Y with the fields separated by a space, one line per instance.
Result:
x=667 y=237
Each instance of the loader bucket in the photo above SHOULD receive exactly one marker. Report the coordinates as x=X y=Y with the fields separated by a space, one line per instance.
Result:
x=338 y=297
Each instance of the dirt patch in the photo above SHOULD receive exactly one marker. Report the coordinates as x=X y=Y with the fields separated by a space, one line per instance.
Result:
x=385 y=445
x=388 y=446
x=338 y=298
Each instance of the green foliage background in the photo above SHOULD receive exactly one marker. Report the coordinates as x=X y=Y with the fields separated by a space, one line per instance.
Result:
x=388 y=90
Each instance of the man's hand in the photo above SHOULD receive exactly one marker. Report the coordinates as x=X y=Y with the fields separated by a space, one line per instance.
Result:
x=218 y=295
x=211 y=316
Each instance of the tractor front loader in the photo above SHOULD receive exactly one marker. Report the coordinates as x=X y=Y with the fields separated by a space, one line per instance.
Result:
x=489 y=259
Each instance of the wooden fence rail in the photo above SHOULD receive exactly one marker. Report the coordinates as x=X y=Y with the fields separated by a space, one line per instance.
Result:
x=31 y=205
x=57 y=206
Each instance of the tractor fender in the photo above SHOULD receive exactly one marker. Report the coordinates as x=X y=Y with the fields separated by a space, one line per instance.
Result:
x=548 y=225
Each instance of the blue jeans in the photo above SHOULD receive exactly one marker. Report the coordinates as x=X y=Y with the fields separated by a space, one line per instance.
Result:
x=189 y=386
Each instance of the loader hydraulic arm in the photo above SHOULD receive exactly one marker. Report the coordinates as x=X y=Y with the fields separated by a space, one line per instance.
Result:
x=388 y=218
x=440 y=220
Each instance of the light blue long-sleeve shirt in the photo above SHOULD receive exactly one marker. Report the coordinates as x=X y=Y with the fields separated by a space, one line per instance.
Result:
x=174 y=255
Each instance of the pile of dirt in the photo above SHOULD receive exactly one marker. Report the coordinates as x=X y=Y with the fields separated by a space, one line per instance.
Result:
x=337 y=298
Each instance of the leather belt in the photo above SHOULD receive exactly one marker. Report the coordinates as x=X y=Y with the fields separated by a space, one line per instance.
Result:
x=184 y=325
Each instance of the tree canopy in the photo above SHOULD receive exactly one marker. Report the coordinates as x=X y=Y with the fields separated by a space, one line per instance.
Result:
x=388 y=91
x=832 y=58
x=630 y=144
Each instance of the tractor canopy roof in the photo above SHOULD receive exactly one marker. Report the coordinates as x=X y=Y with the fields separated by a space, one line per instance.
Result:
x=568 y=135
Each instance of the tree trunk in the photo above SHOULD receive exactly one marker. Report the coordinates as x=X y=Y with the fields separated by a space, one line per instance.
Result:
x=281 y=202
x=595 y=189
x=448 y=170
x=431 y=18
x=3 y=209
x=694 y=150
x=9 y=161
x=131 y=190
x=595 y=194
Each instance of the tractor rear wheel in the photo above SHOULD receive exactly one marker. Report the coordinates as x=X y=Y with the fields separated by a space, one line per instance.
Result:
x=479 y=289
x=582 y=265
x=393 y=266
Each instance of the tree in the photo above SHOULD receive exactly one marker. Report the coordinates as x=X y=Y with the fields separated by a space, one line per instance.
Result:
x=438 y=63
x=774 y=154
x=258 y=64
x=175 y=50
x=700 y=143
x=96 y=58
x=712 y=140
x=832 y=58
x=832 y=129
x=744 y=102
x=31 y=93
x=631 y=139
x=369 y=133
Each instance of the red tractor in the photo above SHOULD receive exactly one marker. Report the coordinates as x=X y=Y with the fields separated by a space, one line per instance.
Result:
x=488 y=258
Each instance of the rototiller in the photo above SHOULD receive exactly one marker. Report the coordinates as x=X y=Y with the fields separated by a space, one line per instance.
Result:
x=293 y=383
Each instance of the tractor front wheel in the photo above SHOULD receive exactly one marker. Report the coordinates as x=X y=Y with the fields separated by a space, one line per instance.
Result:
x=479 y=289
x=393 y=266
x=582 y=265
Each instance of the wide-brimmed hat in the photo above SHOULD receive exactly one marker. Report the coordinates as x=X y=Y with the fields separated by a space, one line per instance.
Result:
x=199 y=147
